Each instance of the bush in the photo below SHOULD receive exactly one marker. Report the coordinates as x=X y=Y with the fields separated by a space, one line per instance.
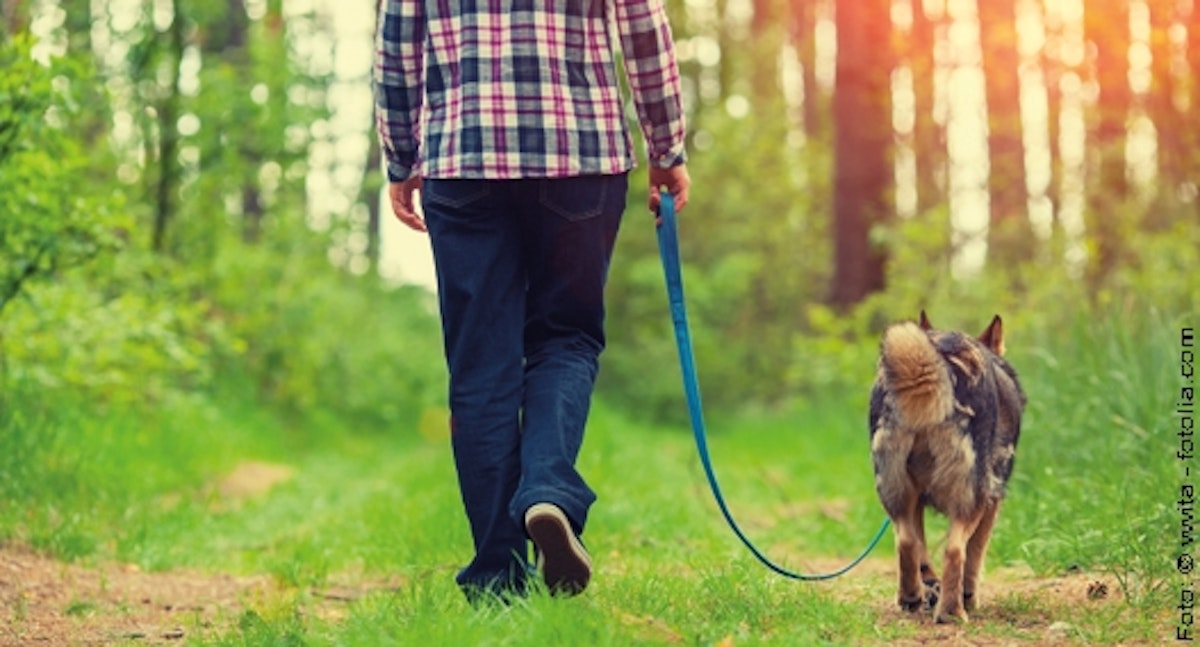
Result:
x=54 y=217
x=307 y=335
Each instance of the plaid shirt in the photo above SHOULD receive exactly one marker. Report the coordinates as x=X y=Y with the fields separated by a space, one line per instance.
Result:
x=500 y=89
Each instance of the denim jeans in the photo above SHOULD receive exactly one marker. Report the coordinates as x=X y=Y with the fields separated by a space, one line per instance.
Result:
x=521 y=267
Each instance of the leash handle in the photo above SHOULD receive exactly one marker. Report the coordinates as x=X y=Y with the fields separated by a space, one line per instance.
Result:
x=668 y=247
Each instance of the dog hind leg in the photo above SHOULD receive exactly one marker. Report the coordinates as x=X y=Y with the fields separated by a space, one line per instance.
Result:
x=976 y=549
x=929 y=578
x=950 y=606
x=909 y=549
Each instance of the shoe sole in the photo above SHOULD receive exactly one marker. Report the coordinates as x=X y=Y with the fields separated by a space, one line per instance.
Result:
x=566 y=567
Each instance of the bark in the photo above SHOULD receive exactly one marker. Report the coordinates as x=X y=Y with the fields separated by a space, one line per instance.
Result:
x=167 y=185
x=862 y=147
x=1009 y=233
x=928 y=138
x=1107 y=31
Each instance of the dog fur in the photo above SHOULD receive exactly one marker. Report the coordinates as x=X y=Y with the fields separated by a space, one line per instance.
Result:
x=945 y=417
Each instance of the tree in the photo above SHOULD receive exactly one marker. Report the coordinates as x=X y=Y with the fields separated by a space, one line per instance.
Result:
x=803 y=36
x=862 y=117
x=1160 y=106
x=1106 y=29
x=15 y=16
x=766 y=36
x=1053 y=69
x=167 y=182
x=1191 y=125
x=226 y=49
x=928 y=137
x=44 y=228
x=1009 y=234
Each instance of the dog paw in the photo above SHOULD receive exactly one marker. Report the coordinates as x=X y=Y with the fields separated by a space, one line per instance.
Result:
x=949 y=616
x=910 y=604
x=931 y=593
x=969 y=600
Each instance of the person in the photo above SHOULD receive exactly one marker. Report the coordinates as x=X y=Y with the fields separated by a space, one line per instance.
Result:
x=507 y=120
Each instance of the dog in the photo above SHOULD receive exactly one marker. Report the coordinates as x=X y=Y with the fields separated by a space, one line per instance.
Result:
x=945 y=416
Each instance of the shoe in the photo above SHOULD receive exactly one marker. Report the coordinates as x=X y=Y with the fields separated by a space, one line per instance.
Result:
x=566 y=566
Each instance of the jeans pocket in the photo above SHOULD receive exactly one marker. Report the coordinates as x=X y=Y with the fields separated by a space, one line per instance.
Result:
x=575 y=198
x=455 y=194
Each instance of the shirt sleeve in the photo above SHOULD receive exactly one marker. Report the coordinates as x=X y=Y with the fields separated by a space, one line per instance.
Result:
x=397 y=80
x=653 y=73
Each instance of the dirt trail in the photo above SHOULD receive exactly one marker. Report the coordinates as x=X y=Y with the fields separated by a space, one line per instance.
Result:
x=47 y=602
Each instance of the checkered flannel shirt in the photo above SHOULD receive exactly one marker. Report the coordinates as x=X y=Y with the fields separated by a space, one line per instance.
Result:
x=501 y=89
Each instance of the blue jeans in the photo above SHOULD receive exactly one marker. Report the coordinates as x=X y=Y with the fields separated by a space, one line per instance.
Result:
x=521 y=267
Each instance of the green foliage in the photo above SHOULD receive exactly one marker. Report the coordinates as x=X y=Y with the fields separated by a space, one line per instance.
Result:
x=129 y=328
x=1100 y=392
x=380 y=515
x=754 y=256
x=55 y=216
x=308 y=336
x=762 y=330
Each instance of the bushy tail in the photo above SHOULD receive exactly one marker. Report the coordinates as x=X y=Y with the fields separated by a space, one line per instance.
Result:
x=916 y=375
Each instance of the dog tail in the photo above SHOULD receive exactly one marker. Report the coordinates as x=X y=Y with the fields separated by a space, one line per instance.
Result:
x=916 y=375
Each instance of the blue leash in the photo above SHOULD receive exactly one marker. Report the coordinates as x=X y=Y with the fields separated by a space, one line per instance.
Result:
x=668 y=247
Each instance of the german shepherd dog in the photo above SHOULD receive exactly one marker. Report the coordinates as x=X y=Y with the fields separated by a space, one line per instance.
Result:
x=945 y=417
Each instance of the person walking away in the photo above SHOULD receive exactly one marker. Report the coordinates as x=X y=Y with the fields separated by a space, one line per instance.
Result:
x=507 y=117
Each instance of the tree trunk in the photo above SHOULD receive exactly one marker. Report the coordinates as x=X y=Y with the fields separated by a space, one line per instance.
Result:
x=1009 y=233
x=765 y=42
x=1052 y=72
x=15 y=16
x=726 y=45
x=1191 y=118
x=862 y=116
x=1107 y=30
x=804 y=37
x=927 y=135
x=168 y=133
x=1160 y=105
x=370 y=187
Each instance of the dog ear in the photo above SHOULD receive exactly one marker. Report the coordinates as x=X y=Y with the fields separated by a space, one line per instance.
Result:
x=993 y=336
x=924 y=322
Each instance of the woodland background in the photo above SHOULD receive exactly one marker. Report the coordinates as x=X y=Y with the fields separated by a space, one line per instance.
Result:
x=183 y=212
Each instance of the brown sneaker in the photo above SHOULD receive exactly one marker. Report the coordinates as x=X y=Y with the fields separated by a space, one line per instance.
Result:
x=566 y=566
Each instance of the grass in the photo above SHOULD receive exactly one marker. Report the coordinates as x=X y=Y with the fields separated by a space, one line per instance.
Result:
x=378 y=511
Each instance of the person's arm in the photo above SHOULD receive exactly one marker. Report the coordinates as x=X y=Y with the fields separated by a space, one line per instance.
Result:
x=398 y=69
x=653 y=74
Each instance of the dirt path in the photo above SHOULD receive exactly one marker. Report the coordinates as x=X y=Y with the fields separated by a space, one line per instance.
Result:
x=1031 y=609
x=46 y=602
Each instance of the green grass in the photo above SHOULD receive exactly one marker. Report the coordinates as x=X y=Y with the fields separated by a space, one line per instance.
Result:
x=1094 y=490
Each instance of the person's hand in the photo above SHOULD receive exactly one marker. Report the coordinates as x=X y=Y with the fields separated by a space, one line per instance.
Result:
x=675 y=180
x=403 y=205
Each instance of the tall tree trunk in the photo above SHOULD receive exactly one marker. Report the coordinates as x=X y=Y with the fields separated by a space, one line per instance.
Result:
x=765 y=41
x=862 y=115
x=804 y=37
x=1009 y=233
x=726 y=45
x=1107 y=30
x=1160 y=105
x=369 y=189
x=1191 y=118
x=1052 y=72
x=230 y=43
x=168 y=133
x=78 y=26
x=15 y=15
x=927 y=135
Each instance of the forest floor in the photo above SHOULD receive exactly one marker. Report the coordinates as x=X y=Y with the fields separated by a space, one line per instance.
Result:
x=48 y=602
